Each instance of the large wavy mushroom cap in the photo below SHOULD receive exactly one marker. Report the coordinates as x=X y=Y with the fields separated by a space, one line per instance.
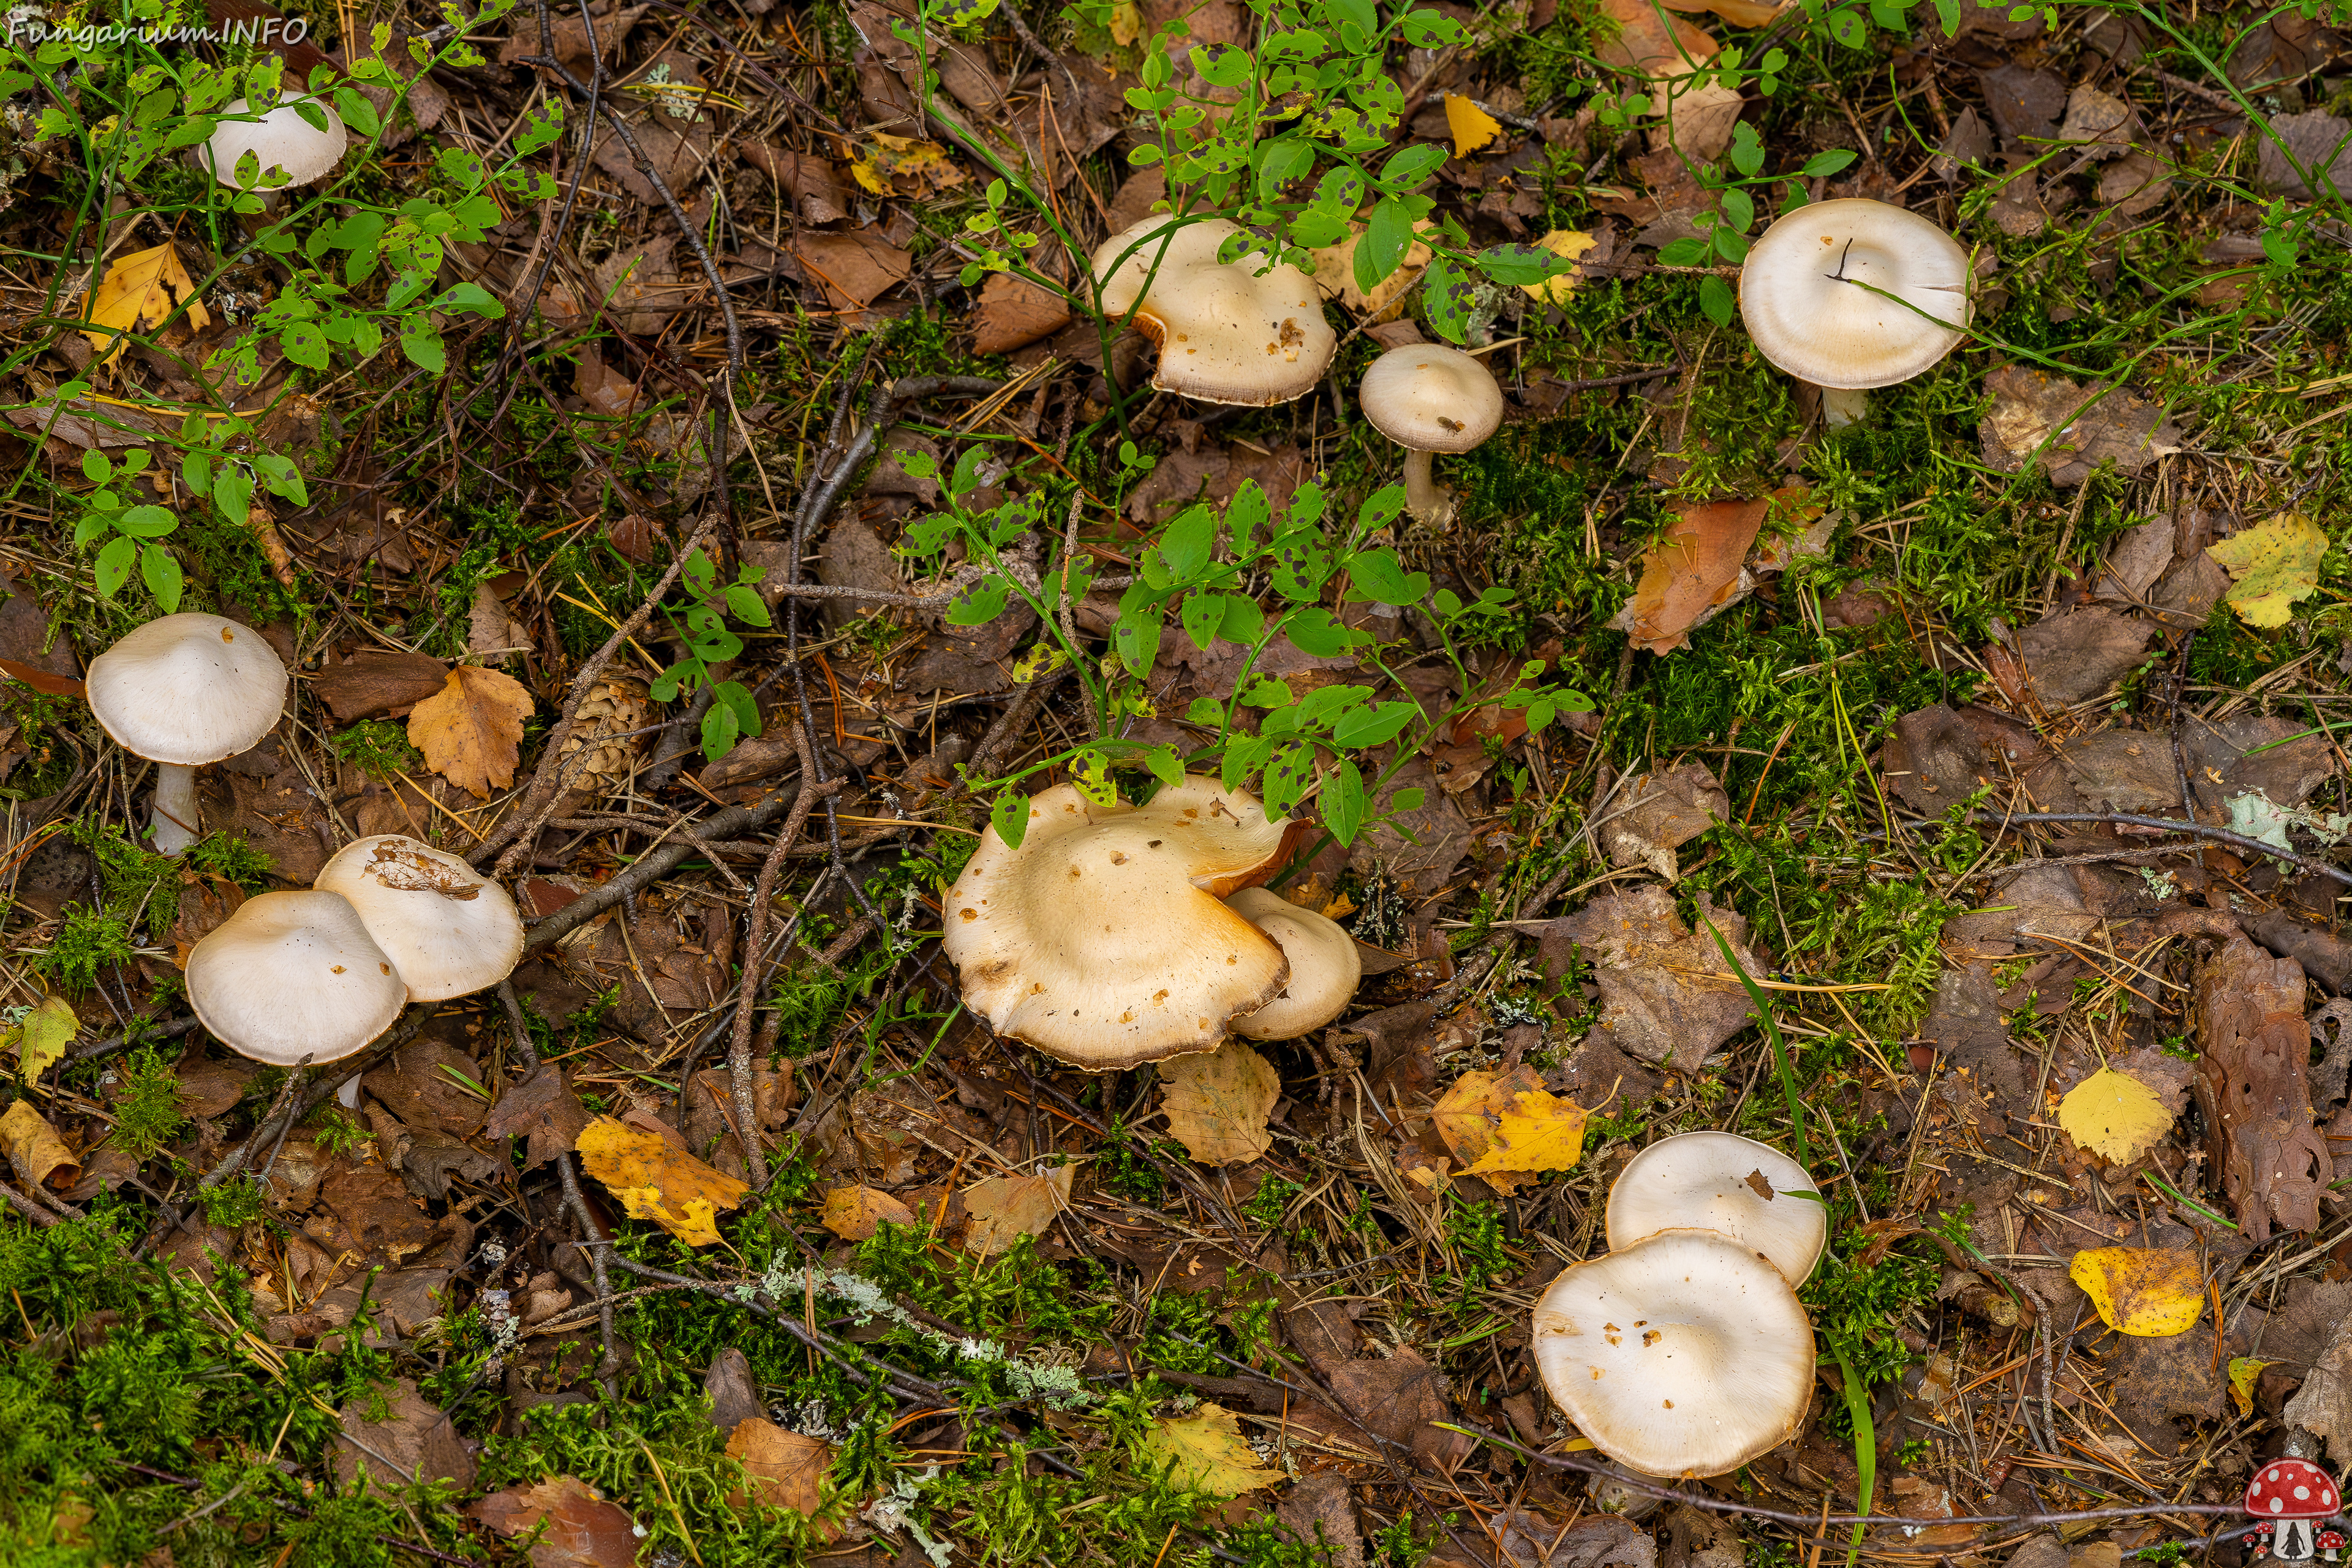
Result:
x=281 y=138
x=1102 y=939
x=1685 y=1354
x=1801 y=297
x=291 y=976
x=188 y=689
x=1227 y=332
x=1724 y=1182
x=449 y=929
x=1325 y=967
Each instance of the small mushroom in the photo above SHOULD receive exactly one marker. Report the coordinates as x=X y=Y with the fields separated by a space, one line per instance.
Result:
x=1685 y=1354
x=1724 y=1182
x=1428 y=399
x=1102 y=939
x=1228 y=332
x=294 y=977
x=1324 y=967
x=281 y=138
x=1815 y=294
x=183 y=691
x=2294 y=1496
x=449 y=929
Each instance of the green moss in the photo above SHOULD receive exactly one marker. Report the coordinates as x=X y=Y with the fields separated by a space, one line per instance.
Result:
x=146 y=1108
x=378 y=747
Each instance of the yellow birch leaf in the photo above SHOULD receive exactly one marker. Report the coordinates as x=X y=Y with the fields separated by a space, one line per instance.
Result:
x=2271 y=566
x=1472 y=126
x=1534 y=1133
x=1001 y=1210
x=1204 y=1453
x=657 y=1180
x=1217 y=1102
x=2152 y=1292
x=43 y=1034
x=139 y=294
x=2113 y=1115
x=1569 y=243
x=2244 y=1372
x=854 y=1214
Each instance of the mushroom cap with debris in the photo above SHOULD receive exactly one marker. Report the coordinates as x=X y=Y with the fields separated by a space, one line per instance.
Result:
x=1325 y=967
x=1227 y=330
x=188 y=689
x=449 y=929
x=1803 y=297
x=1102 y=939
x=294 y=976
x=1432 y=398
x=1685 y=1354
x=1722 y=1182
x=280 y=139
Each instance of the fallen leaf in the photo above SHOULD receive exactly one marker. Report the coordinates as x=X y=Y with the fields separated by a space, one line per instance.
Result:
x=1507 y=1128
x=491 y=629
x=1203 y=1452
x=368 y=685
x=1335 y=273
x=543 y=1108
x=471 y=730
x=1653 y=44
x=1014 y=312
x=139 y=294
x=854 y=1214
x=786 y=1469
x=2085 y=427
x=1001 y=1210
x=414 y=1440
x=2253 y=1086
x=1472 y=126
x=1569 y=244
x=1739 y=13
x=1667 y=993
x=38 y=1154
x=1217 y=1102
x=43 y=1036
x=582 y=1531
x=2244 y=1372
x=1698 y=568
x=853 y=269
x=903 y=166
x=658 y=1181
x=2271 y=566
x=41 y=681
x=1662 y=812
x=2321 y=143
x=2113 y=1115
x=2152 y=1292
x=2079 y=654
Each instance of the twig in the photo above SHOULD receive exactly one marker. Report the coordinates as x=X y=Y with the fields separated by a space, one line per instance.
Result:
x=2218 y=835
x=746 y=997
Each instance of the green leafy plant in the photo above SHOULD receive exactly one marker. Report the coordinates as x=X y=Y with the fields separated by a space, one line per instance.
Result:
x=708 y=641
x=134 y=530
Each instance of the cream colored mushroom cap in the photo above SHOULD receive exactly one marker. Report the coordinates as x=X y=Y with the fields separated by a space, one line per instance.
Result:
x=280 y=139
x=1685 y=1354
x=290 y=976
x=1807 y=315
x=449 y=929
x=1431 y=398
x=1325 y=967
x=187 y=689
x=1102 y=939
x=1226 y=333
x=1721 y=1182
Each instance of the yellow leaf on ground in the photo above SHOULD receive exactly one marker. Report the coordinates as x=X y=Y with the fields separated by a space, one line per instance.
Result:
x=2271 y=566
x=903 y=166
x=657 y=1180
x=1204 y=1453
x=1126 y=24
x=854 y=1214
x=1217 y=1103
x=2244 y=1372
x=139 y=294
x=2152 y=1292
x=43 y=1036
x=1335 y=273
x=1001 y=1210
x=2113 y=1115
x=784 y=1467
x=1472 y=126
x=38 y=1154
x=1506 y=1129
x=1569 y=243
x=471 y=729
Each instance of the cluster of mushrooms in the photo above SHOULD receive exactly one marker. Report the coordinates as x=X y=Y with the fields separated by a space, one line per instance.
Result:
x=293 y=977
x=1844 y=295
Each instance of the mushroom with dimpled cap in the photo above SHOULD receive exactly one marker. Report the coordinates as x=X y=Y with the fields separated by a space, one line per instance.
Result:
x=1428 y=399
x=2293 y=1496
x=1227 y=330
x=294 y=977
x=449 y=929
x=1325 y=967
x=1722 y=1182
x=183 y=691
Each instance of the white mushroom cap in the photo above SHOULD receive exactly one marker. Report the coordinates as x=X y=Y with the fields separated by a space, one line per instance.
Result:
x=1432 y=398
x=1799 y=293
x=280 y=139
x=187 y=689
x=449 y=929
x=291 y=976
x=1324 y=967
x=1685 y=1354
x=1227 y=332
x=1724 y=1182
x=1101 y=939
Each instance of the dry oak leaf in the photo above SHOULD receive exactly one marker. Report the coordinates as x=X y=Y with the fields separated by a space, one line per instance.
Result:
x=786 y=1469
x=1001 y=1210
x=1203 y=1452
x=1471 y=125
x=2153 y=1292
x=1506 y=1128
x=2113 y=1115
x=582 y=1531
x=854 y=1214
x=2271 y=566
x=1217 y=1103
x=471 y=729
x=657 y=1180
x=139 y=294
x=40 y=1156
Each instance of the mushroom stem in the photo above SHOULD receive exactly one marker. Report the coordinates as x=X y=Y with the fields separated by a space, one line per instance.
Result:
x=177 y=815
x=1841 y=406
x=1429 y=502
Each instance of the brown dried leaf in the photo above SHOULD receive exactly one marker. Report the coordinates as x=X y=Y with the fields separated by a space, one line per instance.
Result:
x=33 y=1147
x=414 y=1440
x=1217 y=1102
x=543 y=1108
x=1003 y=1209
x=1014 y=312
x=471 y=732
x=1651 y=44
x=853 y=269
x=368 y=685
x=1696 y=570
x=584 y=1530
x=2093 y=426
x=786 y=1469
x=2255 y=1049
x=491 y=630
x=1665 y=992
x=854 y=1214
x=1662 y=811
x=2079 y=654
